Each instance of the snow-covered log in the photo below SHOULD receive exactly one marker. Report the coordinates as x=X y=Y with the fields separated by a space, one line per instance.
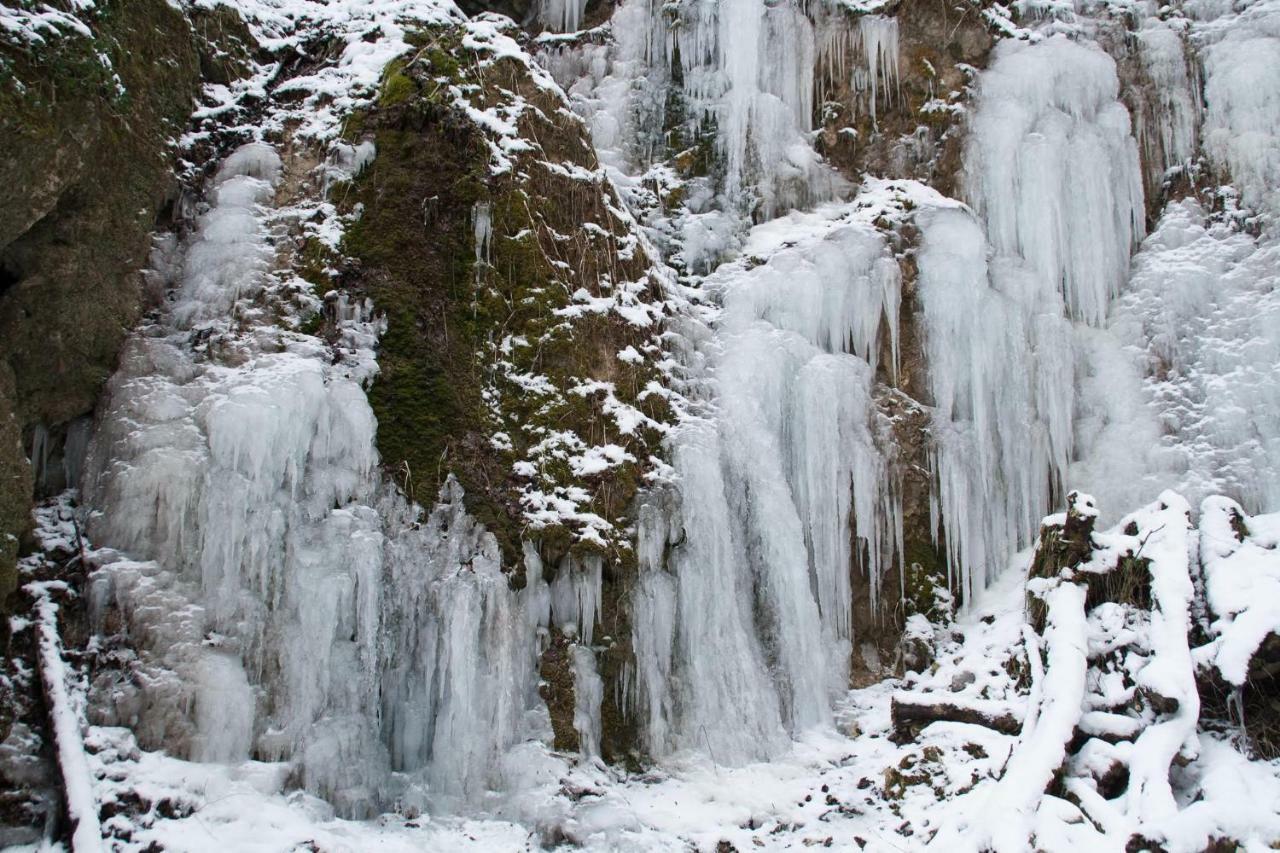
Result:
x=1241 y=664
x=911 y=713
x=1003 y=822
x=73 y=764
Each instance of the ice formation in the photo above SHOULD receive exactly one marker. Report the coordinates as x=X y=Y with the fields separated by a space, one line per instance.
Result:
x=748 y=67
x=1002 y=414
x=1169 y=140
x=564 y=16
x=1242 y=117
x=287 y=604
x=745 y=72
x=866 y=54
x=774 y=483
x=1202 y=301
x=1053 y=170
x=293 y=605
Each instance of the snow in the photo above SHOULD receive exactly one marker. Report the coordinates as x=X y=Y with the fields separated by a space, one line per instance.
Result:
x=1242 y=583
x=1003 y=819
x=1168 y=673
x=36 y=26
x=370 y=35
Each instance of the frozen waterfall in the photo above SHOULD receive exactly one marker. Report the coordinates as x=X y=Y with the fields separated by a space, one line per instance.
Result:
x=288 y=604
x=1053 y=170
x=292 y=607
x=746 y=627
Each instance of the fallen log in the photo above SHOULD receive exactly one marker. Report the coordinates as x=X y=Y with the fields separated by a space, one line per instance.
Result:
x=910 y=714
x=73 y=765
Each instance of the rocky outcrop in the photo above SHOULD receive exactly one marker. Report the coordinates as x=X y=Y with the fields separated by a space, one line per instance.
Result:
x=915 y=128
x=520 y=322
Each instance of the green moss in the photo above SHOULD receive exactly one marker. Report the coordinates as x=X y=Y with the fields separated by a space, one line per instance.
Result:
x=397 y=87
x=442 y=62
x=427 y=396
x=313 y=324
x=924 y=590
x=313 y=264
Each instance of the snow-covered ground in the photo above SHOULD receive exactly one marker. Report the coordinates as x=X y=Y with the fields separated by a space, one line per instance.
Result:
x=843 y=787
x=847 y=787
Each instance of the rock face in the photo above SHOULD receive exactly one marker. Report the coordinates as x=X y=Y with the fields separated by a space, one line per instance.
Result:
x=86 y=125
x=915 y=128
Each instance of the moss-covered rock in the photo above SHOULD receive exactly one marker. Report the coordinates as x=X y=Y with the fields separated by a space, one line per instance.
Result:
x=500 y=360
x=556 y=671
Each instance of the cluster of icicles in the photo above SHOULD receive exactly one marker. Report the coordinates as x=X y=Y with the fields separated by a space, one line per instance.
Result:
x=287 y=603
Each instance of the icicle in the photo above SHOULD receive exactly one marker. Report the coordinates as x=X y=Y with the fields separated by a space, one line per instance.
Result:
x=1053 y=171
x=459 y=651
x=243 y=462
x=588 y=693
x=880 y=50
x=482 y=233
x=1002 y=417
x=225 y=709
x=749 y=66
x=562 y=16
x=576 y=595
x=1242 y=118
x=1172 y=142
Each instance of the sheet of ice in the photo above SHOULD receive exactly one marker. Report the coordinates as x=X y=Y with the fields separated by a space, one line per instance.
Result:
x=1242 y=118
x=1201 y=314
